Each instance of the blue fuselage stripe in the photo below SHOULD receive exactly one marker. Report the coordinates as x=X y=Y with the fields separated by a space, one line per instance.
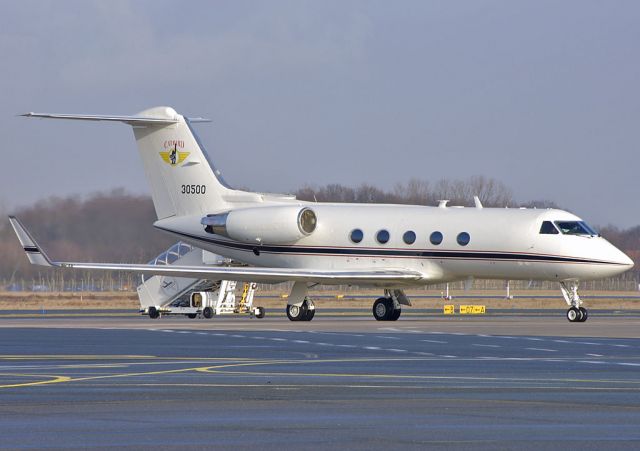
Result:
x=430 y=254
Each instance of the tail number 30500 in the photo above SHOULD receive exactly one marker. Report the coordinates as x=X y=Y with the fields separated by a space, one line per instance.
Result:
x=194 y=189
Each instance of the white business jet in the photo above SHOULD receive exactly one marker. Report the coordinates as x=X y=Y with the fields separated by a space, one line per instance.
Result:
x=392 y=247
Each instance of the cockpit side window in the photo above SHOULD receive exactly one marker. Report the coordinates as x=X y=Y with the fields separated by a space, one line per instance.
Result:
x=575 y=228
x=548 y=228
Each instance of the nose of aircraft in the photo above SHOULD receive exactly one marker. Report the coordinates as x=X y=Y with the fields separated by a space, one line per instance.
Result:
x=622 y=259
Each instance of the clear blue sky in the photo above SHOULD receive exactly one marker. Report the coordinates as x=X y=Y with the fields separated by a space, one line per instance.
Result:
x=542 y=95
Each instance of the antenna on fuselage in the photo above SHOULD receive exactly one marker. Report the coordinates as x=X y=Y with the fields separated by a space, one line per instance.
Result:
x=476 y=200
x=442 y=203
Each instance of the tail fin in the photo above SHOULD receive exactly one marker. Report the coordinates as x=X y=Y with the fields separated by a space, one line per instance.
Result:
x=183 y=180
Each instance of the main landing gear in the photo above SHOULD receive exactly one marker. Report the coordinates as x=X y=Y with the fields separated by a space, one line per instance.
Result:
x=388 y=308
x=576 y=313
x=384 y=310
x=304 y=312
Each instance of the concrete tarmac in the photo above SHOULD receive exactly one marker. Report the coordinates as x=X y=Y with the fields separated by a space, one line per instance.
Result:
x=76 y=381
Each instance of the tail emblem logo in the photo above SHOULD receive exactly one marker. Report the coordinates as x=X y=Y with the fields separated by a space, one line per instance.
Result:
x=174 y=157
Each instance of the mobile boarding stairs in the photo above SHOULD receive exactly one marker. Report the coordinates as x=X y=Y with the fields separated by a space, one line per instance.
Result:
x=166 y=295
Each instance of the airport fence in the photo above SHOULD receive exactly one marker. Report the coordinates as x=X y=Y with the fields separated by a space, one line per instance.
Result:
x=59 y=281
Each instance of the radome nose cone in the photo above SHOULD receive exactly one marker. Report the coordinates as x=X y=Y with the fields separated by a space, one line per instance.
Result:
x=627 y=262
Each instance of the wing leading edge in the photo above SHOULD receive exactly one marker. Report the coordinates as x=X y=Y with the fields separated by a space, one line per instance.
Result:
x=378 y=277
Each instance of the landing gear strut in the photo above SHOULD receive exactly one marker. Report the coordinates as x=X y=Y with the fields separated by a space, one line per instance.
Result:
x=304 y=312
x=576 y=313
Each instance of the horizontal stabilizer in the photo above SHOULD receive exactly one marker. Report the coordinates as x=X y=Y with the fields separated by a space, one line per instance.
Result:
x=131 y=120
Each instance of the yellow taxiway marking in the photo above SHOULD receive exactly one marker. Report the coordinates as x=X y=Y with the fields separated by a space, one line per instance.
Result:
x=53 y=380
x=237 y=363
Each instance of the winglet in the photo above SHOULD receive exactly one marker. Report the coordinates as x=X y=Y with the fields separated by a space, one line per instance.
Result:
x=35 y=254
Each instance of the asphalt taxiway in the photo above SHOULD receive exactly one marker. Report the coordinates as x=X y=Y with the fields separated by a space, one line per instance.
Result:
x=351 y=382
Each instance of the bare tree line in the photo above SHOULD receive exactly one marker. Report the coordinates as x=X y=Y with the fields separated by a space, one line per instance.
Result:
x=117 y=226
x=416 y=192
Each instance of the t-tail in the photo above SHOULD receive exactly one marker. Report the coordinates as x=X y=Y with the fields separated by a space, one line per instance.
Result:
x=182 y=178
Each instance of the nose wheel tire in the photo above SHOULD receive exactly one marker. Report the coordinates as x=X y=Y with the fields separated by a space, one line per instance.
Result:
x=154 y=313
x=584 y=313
x=383 y=310
x=207 y=312
x=577 y=315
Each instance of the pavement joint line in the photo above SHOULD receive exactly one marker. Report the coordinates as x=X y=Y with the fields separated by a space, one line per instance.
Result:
x=486 y=346
x=434 y=341
x=542 y=349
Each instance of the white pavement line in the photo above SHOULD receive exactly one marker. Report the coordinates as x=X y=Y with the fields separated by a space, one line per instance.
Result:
x=433 y=341
x=238 y=336
x=437 y=333
x=622 y=346
x=278 y=339
x=202 y=333
x=347 y=346
x=449 y=356
x=183 y=332
x=587 y=343
x=458 y=333
x=324 y=344
x=628 y=364
x=387 y=338
x=595 y=355
x=482 y=335
x=598 y=362
x=533 y=339
x=220 y=335
x=165 y=330
x=424 y=353
x=390 y=329
x=541 y=349
x=372 y=348
x=487 y=346
x=258 y=338
x=506 y=336
x=335 y=333
x=397 y=350
x=561 y=341
x=301 y=341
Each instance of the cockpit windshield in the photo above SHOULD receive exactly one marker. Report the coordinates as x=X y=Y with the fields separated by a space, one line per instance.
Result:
x=576 y=228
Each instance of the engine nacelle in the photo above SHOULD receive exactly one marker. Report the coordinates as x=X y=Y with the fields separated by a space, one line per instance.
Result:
x=263 y=225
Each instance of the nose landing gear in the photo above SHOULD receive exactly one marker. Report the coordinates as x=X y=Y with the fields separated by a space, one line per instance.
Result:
x=576 y=313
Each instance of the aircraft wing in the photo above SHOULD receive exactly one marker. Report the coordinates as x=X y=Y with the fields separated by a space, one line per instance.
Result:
x=375 y=276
